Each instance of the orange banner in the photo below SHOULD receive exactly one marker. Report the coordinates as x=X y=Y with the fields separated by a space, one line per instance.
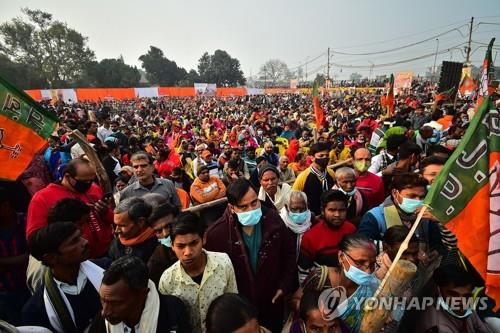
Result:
x=19 y=144
x=176 y=91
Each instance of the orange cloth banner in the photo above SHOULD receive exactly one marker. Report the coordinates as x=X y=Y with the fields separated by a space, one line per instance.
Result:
x=94 y=94
x=176 y=91
x=231 y=92
x=36 y=94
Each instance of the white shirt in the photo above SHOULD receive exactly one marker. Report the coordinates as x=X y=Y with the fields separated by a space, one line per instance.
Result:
x=103 y=133
x=376 y=165
x=127 y=329
x=71 y=289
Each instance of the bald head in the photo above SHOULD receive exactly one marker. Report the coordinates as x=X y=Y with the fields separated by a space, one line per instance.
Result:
x=362 y=153
x=362 y=160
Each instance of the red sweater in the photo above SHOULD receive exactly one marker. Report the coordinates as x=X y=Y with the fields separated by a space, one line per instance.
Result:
x=98 y=231
x=324 y=240
x=372 y=187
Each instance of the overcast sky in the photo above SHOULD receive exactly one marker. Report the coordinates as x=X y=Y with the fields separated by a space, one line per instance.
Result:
x=295 y=31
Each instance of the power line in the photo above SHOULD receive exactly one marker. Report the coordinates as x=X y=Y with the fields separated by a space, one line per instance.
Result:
x=404 y=46
x=401 y=61
x=404 y=36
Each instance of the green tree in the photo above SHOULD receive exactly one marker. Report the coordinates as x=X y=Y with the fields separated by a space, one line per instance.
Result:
x=58 y=53
x=113 y=73
x=159 y=69
x=355 y=77
x=320 y=78
x=21 y=75
x=220 y=68
x=190 y=78
x=275 y=72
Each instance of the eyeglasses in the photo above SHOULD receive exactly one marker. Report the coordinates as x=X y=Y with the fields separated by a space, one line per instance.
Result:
x=362 y=264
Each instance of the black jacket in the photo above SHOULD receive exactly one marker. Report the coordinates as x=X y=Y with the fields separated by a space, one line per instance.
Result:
x=173 y=317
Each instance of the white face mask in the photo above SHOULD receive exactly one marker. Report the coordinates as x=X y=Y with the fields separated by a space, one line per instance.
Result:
x=446 y=307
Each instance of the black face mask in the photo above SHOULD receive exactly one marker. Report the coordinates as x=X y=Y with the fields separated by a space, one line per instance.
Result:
x=81 y=186
x=322 y=162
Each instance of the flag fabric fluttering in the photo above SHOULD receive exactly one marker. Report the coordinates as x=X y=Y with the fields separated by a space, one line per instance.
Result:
x=467 y=87
x=25 y=127
x=318 y=111
x=486 y=75
x=465 y=196
x=444 y=96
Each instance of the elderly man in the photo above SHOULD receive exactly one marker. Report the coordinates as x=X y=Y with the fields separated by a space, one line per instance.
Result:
x=356 y=202
x=368 y=183
x=269 y=154
x=147 y=182
x=286 y=173
x=271 y=192
x=132 y=228
x=130 y=302
x=297 y=216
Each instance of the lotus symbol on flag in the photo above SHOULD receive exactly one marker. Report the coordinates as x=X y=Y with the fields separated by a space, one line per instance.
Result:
x=14 y=151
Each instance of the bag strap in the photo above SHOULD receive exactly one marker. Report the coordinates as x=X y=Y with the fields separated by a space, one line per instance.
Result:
x=58 y=303
x=322 y=278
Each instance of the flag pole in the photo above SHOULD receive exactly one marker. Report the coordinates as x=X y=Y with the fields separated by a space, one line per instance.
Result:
x=402 y=248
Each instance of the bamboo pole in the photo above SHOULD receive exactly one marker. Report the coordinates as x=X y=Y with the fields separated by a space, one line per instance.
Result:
x=402 y=249
x=202 y=206
x=394 y=280
x=336 y=165
x=377 y=311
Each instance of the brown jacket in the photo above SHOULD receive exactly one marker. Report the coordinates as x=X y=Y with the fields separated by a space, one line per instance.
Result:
x=276 y=265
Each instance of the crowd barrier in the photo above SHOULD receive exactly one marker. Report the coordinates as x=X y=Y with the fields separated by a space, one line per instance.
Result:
x=101 y=94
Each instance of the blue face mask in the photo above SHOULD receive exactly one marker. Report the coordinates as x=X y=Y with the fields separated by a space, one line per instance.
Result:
x=410 y=205
x=442 y=303
x=358 y=276
x=299 y=218
x=250 y=218
x=166 y=241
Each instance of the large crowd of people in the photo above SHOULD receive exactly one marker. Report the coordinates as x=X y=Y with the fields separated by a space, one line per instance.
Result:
x=290 y=210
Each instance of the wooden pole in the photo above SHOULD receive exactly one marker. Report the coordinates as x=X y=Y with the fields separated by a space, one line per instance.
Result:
x=202 y=206
x=376 y=311
x=94 y=160
x=338 y=164
x=402 y=249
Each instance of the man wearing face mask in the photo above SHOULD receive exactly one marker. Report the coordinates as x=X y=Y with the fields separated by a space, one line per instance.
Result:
x=356 y=202
x=77 y=183
x=261 y=249
x=407 y=195
x=368 y=183
x=454 y=284
x=316 y=179
x=163 y=256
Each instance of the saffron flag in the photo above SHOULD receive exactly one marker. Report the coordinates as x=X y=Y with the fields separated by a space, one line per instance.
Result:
x=318 y=111
x=24 y=129
x=444 y=96
x=486 y=75
x=465 y=196
x=388 y=100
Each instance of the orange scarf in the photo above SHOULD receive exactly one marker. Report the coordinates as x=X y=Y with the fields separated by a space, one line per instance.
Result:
x=141 y=238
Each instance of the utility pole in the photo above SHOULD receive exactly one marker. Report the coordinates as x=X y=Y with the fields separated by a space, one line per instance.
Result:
x=328 y=66
x=467 y=63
